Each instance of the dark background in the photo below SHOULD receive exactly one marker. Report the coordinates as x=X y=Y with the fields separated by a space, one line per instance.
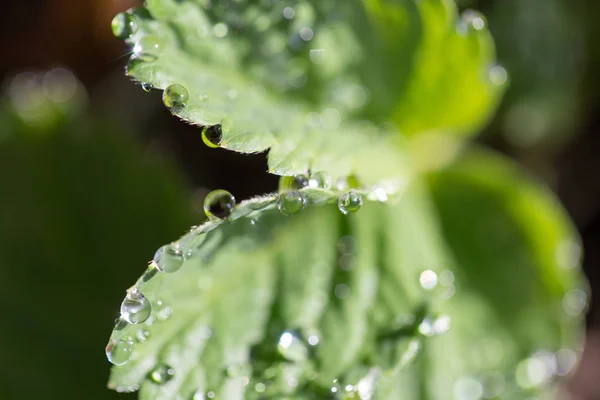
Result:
x=549 y=122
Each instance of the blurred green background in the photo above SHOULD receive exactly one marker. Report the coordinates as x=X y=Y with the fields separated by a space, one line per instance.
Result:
x=95 y=173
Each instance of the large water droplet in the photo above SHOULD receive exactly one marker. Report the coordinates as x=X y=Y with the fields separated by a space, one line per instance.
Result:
x=118 y=351
x=287 y=183
x=350 y=202
x=135 y=308
x=320 y=180
x=288 y=13
x=168 y=259
x=162 y=374
x=123 y=25
x=175 y=97
x=148 y=48
x=292 y=347
x=218 y=204
x=212 y=135
x=291 y=203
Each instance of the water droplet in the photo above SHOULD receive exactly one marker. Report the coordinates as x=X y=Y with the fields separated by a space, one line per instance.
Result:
x=533 y=372
x=148 y=48
x=350 y=202
x=468 y=388
x=168 y=259
x=346 y=245
x=199 y=395
x=287 y=183
x=288 y=13
x=260 y=387
x=123 y=25
x=472 y=20
x=378 y=193
x=146 y=87
x=162 y=374
x=367 y=385
x=175 y=96
x=428 y=279
x=320 y=180
x=568 y=254
x=220 y=30
x=306 y=34
x=313 y=340
x=439 y=326
x=118 y=351
x=210 y=394
x=218 y=204
x=446 y=278
x=292 y=347
x=135 y=308
x=291 y=203
x=574 y=302
x=341 y=290
x=493 y=384
x=497 y=75
x=142 y=335
x=212 y=136
x=565 y=361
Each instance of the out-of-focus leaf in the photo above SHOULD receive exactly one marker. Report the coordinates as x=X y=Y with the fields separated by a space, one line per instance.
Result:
x=520 y=297
x=454 y=84
x=80 y=204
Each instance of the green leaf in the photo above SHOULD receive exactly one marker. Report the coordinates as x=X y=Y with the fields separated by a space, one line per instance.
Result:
x=520 y=296
x=81 y=202
x=319 y=276
x=333 y=78
x=454 y=85
x=375 y=288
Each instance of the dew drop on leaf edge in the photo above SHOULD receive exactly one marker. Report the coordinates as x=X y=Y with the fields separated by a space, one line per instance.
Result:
x=135 y=308
x=320 y=180
x=291 y=203
x=147 y=87
x=118 y=352
x=123 y=25
x=168 y=259
x=218 y=204
x=295 y=182
x=350 y=202
x=148 y=48
x=212 y=136
x=175 y=96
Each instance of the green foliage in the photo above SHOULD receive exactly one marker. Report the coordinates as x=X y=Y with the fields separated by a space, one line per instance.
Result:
x=461 y=279
x=80 y=202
